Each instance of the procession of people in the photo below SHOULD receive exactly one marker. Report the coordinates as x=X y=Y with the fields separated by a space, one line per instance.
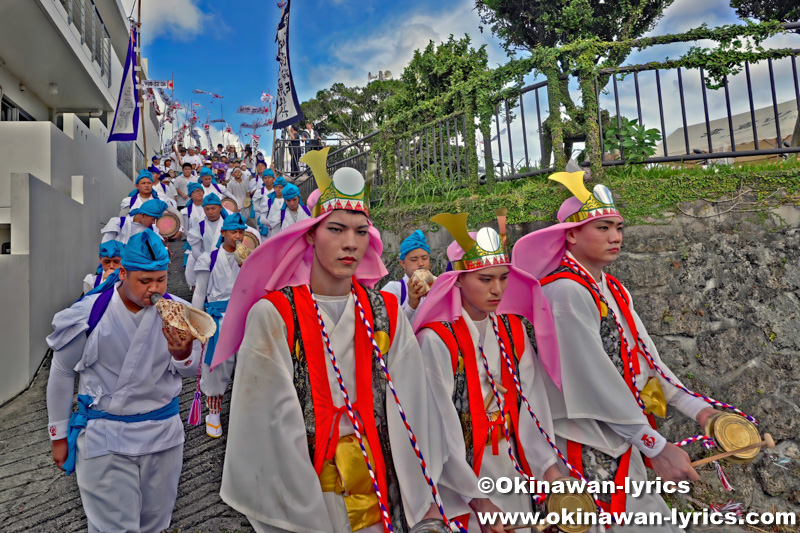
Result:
x=352 y=408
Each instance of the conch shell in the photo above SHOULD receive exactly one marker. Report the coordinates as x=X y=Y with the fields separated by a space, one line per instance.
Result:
x=241 y=252
x=425 y=276
x=185 y=319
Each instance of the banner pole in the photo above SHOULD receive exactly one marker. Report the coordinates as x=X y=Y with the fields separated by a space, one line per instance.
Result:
x=274 y=133
x=141 y=78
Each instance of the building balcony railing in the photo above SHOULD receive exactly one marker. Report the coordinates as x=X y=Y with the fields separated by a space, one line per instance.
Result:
x=84 y=16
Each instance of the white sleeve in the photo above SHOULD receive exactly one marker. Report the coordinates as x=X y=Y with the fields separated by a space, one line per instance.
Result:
x=61 y=385
x=200 y=289
x=88 y=283
x=646 y=439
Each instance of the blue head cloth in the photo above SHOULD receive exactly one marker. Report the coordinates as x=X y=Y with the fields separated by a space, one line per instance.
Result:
x=111 y=249
x=152 y=208
x=233 y=222
x=280 y=180
x=206 y=172
x=289 y=192
x=154 y=169
x=268 y=172
x=144 y=173
x=412 y=242
x=193 y=186
x=145 y=252
x=212 y=199
x=155 y=157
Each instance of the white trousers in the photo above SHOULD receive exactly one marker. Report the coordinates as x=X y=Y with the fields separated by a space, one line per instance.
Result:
x=214 y=383
x=191 y=277
x=123 y=493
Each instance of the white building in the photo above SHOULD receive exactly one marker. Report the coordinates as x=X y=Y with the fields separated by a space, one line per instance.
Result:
x=60 y=69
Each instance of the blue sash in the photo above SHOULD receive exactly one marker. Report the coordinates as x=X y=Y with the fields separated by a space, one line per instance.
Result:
x=81 y=417
x=403 y=292
x=215 y=309
x=186 y=246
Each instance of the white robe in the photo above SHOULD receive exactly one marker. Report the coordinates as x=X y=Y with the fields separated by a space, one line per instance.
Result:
x=268 y=216
x=125 y=366
x=275 y=224
x=595 y=406
x=396 y=288
x=268 y=475
x=205 y=242
x=88 y=282
x=219 y=190
x=215 y=286
x=125 y=206
x=120 y=230
x=439 y=374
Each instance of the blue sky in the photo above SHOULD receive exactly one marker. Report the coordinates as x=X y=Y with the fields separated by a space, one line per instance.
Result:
x=228 y=47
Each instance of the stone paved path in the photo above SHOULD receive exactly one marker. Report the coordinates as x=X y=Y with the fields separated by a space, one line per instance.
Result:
x=36 y=496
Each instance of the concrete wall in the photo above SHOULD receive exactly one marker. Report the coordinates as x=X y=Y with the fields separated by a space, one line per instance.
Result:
x=27 y=100
x=57 y=189
x=720 y=296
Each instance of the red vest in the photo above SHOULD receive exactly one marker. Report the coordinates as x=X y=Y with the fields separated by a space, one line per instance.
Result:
x=461 y=344
x=326 y=415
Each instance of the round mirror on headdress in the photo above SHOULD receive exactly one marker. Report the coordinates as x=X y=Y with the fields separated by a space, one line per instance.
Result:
x=489 y=240
x=602 y=193
x=348 y=181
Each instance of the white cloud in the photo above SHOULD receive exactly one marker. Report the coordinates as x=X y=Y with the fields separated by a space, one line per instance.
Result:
x=180 y=19
x=391 y=46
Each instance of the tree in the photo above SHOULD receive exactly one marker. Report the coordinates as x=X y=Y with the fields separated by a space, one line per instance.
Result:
x=434 y=71
x=350 y=111
x=528 y=25
x=780 y=10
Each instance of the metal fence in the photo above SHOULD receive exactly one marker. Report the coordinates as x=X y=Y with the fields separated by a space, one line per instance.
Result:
x=84 y=16
x=439 y=148
x=287 y=153
x=357 y=154
x=753 y=115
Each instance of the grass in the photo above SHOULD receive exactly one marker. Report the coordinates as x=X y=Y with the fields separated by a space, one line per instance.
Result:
x=645 y=195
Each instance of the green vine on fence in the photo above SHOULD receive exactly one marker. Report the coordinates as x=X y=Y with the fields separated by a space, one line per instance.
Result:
x=478 y=94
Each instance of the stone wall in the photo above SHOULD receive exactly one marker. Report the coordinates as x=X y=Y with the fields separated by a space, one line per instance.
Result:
x=720 y=296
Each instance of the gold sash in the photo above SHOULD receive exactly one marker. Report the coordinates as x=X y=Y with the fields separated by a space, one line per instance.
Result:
x=347 y=475
x=653 y=398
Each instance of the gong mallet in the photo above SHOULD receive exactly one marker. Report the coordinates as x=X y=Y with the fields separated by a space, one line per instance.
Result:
x=768 y=442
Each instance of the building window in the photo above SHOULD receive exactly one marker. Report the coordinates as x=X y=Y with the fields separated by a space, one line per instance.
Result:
x=11 y=112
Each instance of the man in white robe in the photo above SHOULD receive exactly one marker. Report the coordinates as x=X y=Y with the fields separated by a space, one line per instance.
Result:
x=271 y=204
x=110 y=254
x=415 y=254
x=280 y=472
x=291 y=212
x=139 y=219
x=204 y=235
x=128 y=454
x=596 y=409
x=261 y=198
x=216 y=273
x=484 y=291
x=143 y=192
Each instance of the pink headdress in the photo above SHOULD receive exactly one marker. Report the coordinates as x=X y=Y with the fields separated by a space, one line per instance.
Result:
x=523 y=296
x=285 y=261
x=539 y=253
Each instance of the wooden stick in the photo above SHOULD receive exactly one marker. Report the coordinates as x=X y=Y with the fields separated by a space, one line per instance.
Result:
x=540 y=527
x=768 y=442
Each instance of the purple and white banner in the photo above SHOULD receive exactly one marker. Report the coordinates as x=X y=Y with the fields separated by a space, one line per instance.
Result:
x=287 y=108
x=155 y=84
x=126 y=117
x=252 y=110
